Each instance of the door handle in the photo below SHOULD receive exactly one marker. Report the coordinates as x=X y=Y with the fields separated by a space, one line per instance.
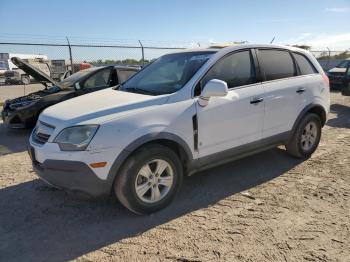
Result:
x=300 y=90
x=256 y=101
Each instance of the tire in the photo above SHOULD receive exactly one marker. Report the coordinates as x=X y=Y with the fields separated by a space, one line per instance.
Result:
x=305 y=139
x=346 y=90
x=25 y=80
x=135 y=173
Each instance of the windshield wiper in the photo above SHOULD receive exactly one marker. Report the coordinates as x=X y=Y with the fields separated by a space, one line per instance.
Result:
x=140 y=91
x=117 y=87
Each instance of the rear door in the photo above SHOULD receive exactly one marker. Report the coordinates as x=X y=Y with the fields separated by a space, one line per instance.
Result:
x=284 y=91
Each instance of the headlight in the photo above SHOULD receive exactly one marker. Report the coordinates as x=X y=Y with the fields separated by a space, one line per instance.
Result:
x=75 y=138
x=22 y=105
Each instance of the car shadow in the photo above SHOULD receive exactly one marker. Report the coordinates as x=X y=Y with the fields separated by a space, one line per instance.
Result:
x=13 y=140
x=343 y=116
x=40 y=223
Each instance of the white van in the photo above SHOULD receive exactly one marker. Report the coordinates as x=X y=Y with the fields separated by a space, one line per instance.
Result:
x=185 y=112
x=10 y=73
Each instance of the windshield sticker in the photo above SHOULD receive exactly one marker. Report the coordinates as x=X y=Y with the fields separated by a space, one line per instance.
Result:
x=200 y=57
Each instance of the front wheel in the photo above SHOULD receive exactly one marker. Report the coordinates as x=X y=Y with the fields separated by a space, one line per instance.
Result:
x=306 y=137
x=149 y=180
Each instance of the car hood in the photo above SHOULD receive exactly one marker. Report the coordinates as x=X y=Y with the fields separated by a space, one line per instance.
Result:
x=97 y=107
x=337 y=70
x=31 y=70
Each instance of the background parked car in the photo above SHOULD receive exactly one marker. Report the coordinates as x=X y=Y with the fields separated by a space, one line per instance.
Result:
x=339 y=75
x=346 y=83
x=23 y=111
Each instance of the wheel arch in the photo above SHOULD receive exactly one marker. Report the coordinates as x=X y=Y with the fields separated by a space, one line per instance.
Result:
x=311 y=108
x=172 y=141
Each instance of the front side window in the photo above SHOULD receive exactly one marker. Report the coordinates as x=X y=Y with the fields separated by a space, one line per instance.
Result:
x=236 y=70
x=167 y=74
x=99 y=79
x=276 y=64
x=304 y=65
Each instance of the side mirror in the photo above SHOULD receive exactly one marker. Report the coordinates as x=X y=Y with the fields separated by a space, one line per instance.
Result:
x=214 y=87
x=77 y=86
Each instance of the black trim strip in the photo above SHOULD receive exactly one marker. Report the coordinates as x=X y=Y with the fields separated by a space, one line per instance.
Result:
x=195 y=132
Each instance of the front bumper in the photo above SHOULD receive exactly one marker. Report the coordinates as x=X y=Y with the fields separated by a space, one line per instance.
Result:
x=18 y=119
x=74 y=176
x=336 y=81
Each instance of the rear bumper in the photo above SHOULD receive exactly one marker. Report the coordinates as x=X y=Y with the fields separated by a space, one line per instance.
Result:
x=73 y=176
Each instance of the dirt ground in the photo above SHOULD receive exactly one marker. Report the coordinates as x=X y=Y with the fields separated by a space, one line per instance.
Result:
x=267 y=207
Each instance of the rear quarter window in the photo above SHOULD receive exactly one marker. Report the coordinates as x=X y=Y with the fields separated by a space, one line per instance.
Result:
x=124 y=75
x=305 y=66
x=276 y=64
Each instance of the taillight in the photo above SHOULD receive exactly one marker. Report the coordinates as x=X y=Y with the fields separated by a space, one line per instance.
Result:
x=325 y=79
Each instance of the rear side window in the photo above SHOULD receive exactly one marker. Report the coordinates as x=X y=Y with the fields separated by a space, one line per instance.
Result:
x=276 y=64
x=304 y=65
x=124 y=75
x=236 y=70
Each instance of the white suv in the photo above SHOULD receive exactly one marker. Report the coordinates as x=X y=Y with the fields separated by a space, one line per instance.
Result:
x=185 y=112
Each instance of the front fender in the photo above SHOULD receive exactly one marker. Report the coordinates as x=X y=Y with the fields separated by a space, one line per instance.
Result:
x=153 y=136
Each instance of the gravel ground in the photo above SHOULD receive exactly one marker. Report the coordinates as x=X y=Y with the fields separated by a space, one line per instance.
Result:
x=267 y=207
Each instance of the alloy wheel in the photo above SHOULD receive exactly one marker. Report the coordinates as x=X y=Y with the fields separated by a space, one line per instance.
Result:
x=154 y=181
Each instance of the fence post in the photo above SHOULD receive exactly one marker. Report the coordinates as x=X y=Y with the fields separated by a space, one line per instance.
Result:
x=70 y=55
x=329 y=57
x=143 y=53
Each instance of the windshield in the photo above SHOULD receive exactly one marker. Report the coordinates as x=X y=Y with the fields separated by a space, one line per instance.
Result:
x=69 y=81
x=343 y=64
x=167 y=74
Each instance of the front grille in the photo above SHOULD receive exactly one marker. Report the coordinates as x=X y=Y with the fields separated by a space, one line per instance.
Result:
x=42 y=132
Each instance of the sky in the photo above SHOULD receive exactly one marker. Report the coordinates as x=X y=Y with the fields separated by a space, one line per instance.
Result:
x=320 y=23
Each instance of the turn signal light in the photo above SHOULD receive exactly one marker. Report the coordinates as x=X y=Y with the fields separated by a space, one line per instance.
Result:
x=98 y=164
x=326 y=79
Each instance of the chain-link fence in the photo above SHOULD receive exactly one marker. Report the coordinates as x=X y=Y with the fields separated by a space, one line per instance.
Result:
x=129 y=52
x=330 y=58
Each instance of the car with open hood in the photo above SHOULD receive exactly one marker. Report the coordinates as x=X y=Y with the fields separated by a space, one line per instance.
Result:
x=23 y=112
x=185 y=112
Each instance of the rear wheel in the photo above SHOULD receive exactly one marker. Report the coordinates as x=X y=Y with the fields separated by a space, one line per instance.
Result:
x=306 y=137
x=149 y=179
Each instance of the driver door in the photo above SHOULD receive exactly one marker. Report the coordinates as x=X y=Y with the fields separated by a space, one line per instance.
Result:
x=236 y=119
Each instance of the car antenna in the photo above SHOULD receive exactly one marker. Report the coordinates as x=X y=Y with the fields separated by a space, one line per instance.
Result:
x=273 y=39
